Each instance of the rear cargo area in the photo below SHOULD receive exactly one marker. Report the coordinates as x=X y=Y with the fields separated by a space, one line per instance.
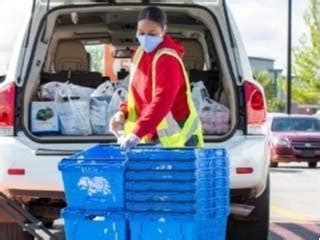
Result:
x=86 y=68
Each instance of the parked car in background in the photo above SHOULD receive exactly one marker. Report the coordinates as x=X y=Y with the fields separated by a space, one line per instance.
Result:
x=294 y=138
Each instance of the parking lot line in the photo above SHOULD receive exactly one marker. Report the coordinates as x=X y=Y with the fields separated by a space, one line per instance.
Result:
x=293 y=217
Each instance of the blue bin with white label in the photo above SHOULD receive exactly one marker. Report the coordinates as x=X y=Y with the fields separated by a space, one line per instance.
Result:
x=94 y=179
x=84 y=225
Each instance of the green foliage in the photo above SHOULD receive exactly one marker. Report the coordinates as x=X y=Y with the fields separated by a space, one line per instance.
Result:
x=276 y=105
x=96 y=57
x=270 y=88
x=265 y=80
x=306 y=85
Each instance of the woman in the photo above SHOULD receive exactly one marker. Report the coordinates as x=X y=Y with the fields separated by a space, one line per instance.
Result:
x=159 y=106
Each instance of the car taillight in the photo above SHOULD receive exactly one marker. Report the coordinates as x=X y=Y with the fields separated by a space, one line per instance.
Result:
x=16 y=171
x=7 y=104
x=256 y=107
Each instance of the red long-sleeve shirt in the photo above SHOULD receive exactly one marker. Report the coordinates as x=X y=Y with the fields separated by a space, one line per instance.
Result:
x=170 y=90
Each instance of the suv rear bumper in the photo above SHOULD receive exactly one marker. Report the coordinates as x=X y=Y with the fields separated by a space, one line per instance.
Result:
x=43 y=178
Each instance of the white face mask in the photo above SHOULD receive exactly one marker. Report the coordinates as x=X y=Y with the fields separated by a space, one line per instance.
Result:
x=149 y=43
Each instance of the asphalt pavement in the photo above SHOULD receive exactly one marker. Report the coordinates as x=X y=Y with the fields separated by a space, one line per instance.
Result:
x=295 y=202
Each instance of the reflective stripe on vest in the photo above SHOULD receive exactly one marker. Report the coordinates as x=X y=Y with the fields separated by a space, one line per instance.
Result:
x=169 y=132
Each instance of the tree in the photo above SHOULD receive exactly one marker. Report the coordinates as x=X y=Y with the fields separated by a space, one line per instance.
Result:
x=96 y=57
x=306 y=66
x=270 y=88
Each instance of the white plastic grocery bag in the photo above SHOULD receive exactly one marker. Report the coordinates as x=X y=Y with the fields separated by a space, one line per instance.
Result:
x=215 y=117
x=72 y=91
x=74 y=115
x=98 y=116
x=104 y=91
x=49 y=90
x=199 y=92
x=118 y=97
x=99 y=104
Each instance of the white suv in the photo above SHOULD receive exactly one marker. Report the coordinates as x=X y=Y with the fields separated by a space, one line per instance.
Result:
x=214 y=54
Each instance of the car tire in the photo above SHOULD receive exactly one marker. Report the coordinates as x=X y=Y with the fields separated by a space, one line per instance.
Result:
x=256 y=226
x=273 y=164
x=12 y=231
x=312 y=164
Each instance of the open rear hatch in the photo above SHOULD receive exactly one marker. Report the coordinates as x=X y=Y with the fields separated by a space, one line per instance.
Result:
x=86 y=31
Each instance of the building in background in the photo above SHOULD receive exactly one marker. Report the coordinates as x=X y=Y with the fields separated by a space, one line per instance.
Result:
x=267 y=65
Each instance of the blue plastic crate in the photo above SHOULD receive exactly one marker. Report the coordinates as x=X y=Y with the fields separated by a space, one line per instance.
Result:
x=211 y=153
x=177 y=227
x=212 y=173
x=211 y=204
x=146 y=186
x=160 y=207
x=219 y=182
x=94 y=179
x=200 y=194
x=84 y=225
x=176 y=154
x=202 y=206
x=161 y=186
x=161 y=165
x=161 y=176
x=161 y=197
x=204 y=193
x=110 y=152
x=202 y=163
x=162 y=154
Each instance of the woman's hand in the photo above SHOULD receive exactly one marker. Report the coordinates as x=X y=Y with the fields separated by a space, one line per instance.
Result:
x=129 y=141
x=116 y=123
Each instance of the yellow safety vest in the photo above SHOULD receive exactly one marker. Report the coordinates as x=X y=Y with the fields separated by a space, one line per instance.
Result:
x=169 y=132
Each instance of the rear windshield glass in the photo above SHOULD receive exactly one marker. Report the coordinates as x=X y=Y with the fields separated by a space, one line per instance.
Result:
x=52 y=2
x=295 y=124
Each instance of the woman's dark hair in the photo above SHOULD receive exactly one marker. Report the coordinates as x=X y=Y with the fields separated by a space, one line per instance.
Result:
x=154 y=14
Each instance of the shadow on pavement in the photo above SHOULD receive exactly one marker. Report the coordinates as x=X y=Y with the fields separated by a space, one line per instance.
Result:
x=302 y=230
x=292 y=231
x=274 y=236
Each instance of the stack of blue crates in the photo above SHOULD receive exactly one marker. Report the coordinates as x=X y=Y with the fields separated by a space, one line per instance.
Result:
x=177 y=194
x=146 y=193
x=94 y=190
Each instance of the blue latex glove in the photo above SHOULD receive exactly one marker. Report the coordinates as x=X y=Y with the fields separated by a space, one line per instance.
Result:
x=129 y=141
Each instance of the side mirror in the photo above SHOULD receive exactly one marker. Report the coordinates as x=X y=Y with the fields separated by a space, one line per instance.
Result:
x=123 y=53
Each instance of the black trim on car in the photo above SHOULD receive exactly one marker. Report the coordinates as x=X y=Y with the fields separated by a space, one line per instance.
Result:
x=240 y=192
x=2 y=78
x=55 y=152
x=241 y=195
x=36 y=193
x=242 y=110
x=112 y=139
x=18 y=125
